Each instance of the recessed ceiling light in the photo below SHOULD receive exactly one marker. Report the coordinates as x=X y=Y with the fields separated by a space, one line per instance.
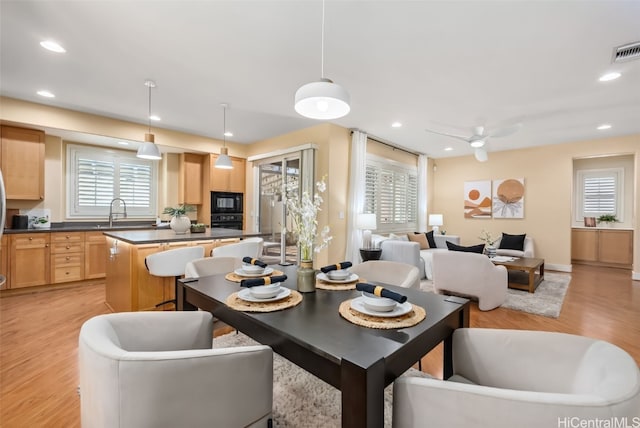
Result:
x=448 y=149
x=396 y=125
x=123 y=143
x=603 y=127
x=228 y=134
x=155 y=117
x=609 y=76
x=46 y=94
x=52 y=46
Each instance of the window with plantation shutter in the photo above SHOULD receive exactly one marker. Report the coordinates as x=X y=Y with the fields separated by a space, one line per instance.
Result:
x=599 y=192
x=96 y=176
x=391 y=192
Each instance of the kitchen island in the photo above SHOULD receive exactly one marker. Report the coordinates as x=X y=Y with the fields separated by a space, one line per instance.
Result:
x=129 y=286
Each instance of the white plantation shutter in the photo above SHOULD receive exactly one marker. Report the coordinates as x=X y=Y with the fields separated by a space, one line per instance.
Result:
x=392 y=194
x=599 y=192
x=96 y=176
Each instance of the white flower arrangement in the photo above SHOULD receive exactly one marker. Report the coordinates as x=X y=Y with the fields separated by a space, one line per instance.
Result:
x=487 y=238
x=304 y=216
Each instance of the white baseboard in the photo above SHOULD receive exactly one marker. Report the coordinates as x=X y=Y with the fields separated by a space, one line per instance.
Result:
x=635 y=276
x=559 y=268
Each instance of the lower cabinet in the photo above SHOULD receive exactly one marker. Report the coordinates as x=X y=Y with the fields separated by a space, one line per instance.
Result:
x=602 y=247
x=29 y=260
x=95 y=255
x=67 y=257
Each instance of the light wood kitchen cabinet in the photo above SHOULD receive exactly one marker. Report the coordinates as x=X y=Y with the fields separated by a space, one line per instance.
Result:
x=67 y=257
x=227 y=180
x=190 y=188
x=29 y=257
x=602 y=247
x=95 y=255
x=22 y=162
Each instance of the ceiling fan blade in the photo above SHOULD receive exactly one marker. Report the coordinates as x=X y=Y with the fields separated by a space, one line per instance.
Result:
x=507 y=130
x=459 y=137
x=481 y=155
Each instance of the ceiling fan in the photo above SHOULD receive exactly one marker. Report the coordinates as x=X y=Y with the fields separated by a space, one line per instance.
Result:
x=480 y=136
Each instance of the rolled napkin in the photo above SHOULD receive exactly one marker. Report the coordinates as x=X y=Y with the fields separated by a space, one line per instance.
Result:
x=252 y=261
x=380 y=291
x=262 y=281
x=337 y=266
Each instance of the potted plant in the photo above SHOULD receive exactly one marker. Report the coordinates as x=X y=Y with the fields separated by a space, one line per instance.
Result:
x=180 y=223
x=198 y=228
x=489 y=242
x=607 y=219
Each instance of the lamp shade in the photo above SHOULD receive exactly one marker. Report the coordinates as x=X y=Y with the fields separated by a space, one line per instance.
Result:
x=366 y=221
x=148 y=149
x=322 y=100
x=435 y=220
x=223 y=161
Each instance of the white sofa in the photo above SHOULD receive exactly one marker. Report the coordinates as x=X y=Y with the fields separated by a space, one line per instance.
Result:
x=396 y=250
x=470 y=275
x=518 y=378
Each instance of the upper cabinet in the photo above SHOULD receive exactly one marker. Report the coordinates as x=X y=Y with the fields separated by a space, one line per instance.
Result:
x=191 y=167
x=22 y=161
x=227 y=180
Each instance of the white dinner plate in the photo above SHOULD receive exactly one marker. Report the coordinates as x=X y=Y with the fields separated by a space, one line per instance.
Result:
x=245 y=294
x=351 y=278
x=267 y=271
x=399 y=310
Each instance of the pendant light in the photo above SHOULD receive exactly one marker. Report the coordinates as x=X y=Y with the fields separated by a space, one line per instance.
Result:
x=224 y=161
x=148 y=149
x=323 y=99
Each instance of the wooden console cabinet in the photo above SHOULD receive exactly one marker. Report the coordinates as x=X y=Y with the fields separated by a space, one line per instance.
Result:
x=602 y=247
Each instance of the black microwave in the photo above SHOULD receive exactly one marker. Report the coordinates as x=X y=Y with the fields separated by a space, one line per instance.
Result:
x=226 y=202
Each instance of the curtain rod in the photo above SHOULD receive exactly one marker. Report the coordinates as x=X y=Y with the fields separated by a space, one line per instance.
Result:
x=393 y=146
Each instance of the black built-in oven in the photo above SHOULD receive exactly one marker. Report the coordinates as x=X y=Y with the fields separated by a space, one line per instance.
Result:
x=226 y=210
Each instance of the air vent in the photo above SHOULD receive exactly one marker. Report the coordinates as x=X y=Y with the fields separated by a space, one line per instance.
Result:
x=627 y=52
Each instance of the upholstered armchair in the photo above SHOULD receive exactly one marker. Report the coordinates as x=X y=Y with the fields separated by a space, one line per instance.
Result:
x=386 y=272
x=157 y=369
x=527 y=250
x=470 y=274
x=527 y=379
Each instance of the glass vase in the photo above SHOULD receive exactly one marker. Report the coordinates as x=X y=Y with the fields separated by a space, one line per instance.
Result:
x=306 y=277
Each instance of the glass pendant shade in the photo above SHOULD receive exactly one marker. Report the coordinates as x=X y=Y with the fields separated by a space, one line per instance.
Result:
x=322 y=100
x=224 y=161
x=148 y=149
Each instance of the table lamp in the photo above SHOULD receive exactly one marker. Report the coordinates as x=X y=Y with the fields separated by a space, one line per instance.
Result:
x=435 y=220
x=366 y=222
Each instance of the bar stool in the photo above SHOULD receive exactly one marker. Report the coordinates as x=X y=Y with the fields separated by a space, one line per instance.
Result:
x=250 y=247
x=172 y=263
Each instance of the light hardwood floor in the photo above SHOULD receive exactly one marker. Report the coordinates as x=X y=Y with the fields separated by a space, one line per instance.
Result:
x=39 y=334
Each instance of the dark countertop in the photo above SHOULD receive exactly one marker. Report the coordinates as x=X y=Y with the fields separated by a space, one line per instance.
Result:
x=136 y=237
x=87 y=227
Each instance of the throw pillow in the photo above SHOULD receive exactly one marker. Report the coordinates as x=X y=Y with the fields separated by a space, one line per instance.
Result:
x=421 y=239
x=512 y=242
x=430 y=239
x=472 y=249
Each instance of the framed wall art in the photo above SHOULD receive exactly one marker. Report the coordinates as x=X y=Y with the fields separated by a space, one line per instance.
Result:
x=508 y=198
x=477 y=199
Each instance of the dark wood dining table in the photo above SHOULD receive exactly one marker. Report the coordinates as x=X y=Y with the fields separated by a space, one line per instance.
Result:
x=359 y=361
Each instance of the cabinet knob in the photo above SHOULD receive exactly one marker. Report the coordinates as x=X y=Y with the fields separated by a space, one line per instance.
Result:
x=67 y=236
x=68 y=258
x=30 y=239
x=68 y=247
x=46 y=245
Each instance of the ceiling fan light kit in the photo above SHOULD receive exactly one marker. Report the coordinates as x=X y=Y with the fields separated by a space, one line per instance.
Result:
x=148 y=149
x=324 y=99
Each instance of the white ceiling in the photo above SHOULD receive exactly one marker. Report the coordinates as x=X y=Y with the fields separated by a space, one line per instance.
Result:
x=444 y=65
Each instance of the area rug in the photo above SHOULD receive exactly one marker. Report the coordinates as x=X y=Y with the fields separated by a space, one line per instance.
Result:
x=546 y=301
x=301 y=399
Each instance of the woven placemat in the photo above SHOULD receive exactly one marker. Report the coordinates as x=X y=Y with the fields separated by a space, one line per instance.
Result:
x=232 y=276
x=326 y=285
x=407 y=320
x=235 y=302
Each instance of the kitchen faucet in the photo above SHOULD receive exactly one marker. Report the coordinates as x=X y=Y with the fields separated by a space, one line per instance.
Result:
x=111 y=213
